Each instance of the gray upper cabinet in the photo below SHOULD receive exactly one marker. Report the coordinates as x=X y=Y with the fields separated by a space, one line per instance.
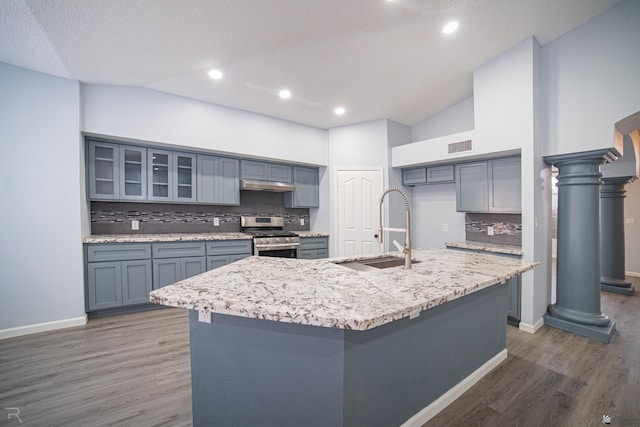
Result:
x=471 y=187
x=505 y=183
x=428 y=175
x=438 y=174
x=489 y=186
x=160 y=175
x=414 y=176
x=133 y=173
x=218 y=180
x=103 y=171
x=172 y=176
x=307 y=189
x=263 y=171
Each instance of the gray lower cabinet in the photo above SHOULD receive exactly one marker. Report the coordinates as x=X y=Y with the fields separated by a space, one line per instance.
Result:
x=175 y=261
x=167 y=271
x=118 y=275
x=313 y=247
x=223 y=252
x=307 y=189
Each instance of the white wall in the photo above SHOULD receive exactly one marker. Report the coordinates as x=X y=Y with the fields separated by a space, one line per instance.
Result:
x=147 y=115
x=397 y=134
x=503 y=100
x=591 y=79
x=433 y=206
x=632 y=231
x=360 y=145
x=457 y=118
x=41 y=273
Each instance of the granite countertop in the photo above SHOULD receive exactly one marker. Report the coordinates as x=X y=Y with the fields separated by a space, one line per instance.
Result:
x=169 y=237
x=311 y=234
x=322 y=293
x=486 y=247
x=176 y=237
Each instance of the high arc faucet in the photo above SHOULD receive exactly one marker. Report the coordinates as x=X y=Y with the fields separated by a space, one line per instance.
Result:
x=407 y=230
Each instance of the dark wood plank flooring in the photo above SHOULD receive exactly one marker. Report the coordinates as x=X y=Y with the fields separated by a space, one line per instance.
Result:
x=134 y=370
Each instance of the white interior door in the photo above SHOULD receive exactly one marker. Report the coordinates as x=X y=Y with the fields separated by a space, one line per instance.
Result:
x=358 y=211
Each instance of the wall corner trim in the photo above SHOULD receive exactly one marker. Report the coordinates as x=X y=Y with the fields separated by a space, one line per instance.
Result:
x=42 y=327
x=532 y=329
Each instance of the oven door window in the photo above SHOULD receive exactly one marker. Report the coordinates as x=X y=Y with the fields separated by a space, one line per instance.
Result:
x=280 y=253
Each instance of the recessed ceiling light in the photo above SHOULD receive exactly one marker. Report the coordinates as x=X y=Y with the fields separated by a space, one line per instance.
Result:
x=450 y=27
x=339 y=111
x=284 y=94
x=215 y=74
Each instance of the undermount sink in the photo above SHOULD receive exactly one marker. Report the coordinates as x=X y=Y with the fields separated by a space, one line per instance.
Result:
x=379 y=262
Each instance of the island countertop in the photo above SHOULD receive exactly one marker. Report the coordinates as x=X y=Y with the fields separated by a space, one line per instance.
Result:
x=323 y=293
x=486 y=247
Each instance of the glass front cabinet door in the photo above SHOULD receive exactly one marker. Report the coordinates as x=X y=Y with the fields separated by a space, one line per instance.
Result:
x=133 y=173
x=185 y=177
x=103 y=171
x=160 y=175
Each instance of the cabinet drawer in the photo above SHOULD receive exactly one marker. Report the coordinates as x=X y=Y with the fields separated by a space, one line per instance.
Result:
x=308 y=243
x=178 y=249
x=118 y=252
x=440 y=174
x=229 y=247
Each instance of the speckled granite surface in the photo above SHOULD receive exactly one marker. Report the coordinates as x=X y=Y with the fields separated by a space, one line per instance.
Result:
x=170 y=237
x=486 y=247
x=311 y=234
x=322 y=293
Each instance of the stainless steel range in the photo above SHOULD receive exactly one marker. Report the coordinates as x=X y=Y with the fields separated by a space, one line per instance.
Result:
x=269 y=237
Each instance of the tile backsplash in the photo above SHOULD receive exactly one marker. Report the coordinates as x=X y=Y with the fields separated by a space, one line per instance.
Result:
x=507 y=228
x=116 y=217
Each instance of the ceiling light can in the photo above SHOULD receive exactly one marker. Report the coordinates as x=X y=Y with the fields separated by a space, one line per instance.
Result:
x=339 y=111
x=450 y=27
x=284 y=94
x=215 y=74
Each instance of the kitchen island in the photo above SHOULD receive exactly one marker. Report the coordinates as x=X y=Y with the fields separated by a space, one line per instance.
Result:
x=312 y=342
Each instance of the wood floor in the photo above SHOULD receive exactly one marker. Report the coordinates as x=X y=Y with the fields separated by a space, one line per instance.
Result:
x=134 y=370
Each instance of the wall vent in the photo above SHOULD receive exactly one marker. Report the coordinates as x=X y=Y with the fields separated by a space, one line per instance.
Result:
x=458 y=147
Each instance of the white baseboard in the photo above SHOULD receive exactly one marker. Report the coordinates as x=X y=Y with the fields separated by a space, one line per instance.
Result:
x=631 y=273
x=42 y=327
x=532 y=329
x=455 y=392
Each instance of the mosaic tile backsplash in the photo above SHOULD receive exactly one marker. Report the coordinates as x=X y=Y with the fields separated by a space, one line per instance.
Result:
x=507 y=228
x=116 y=217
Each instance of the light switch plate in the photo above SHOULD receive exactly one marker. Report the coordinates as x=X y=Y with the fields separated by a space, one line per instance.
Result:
x=631 y=220
x=445 y=227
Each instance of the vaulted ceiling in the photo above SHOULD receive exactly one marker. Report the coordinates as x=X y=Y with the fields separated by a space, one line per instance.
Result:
x=376 y=58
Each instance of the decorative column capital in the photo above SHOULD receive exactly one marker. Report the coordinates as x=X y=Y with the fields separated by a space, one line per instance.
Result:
x=600 y=156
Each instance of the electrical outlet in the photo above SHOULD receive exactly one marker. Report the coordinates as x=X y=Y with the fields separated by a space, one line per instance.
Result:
x=135 y=224
x=490 y=231
x=631 y=220
x=216 y=222
x=301 y=221
x=445 y=227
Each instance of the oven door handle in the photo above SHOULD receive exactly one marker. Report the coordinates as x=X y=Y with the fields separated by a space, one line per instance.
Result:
x=276 y=246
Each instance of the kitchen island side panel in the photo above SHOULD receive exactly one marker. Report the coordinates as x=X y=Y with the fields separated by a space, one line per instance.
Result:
x=247 y=371
x=251 y=372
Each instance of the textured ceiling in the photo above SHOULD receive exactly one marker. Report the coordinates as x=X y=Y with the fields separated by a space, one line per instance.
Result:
x=378 y=58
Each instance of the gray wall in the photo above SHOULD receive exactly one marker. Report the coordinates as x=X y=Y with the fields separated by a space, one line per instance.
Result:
x=41 y=274
x=457 y=118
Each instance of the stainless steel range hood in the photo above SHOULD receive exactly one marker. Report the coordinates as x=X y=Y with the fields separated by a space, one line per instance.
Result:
x=279 y=187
